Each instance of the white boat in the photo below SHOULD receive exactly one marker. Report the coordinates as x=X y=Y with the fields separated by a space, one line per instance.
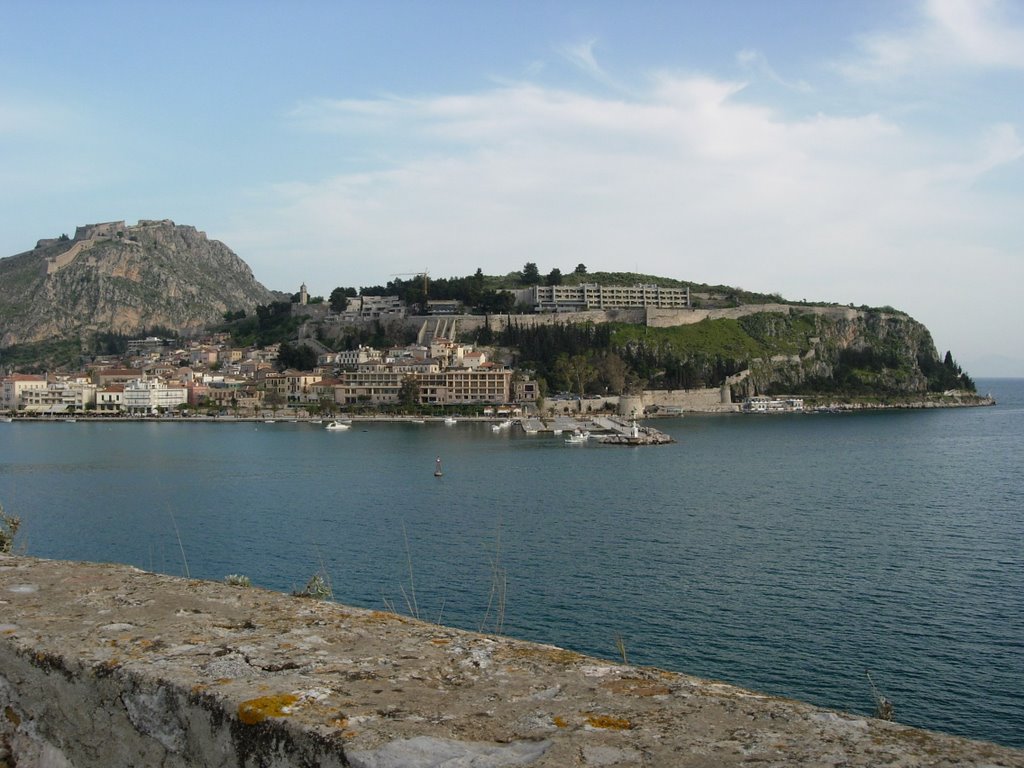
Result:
x=268 y=421
x=317 y=421
x=495 y=428
x=337 y=426
x=505 y=424
x=577 y=438
x=419 y=421
x=449 y=420
x=6 y=419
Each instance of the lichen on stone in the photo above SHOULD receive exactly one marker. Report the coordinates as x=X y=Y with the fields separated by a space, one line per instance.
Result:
x=257 y=710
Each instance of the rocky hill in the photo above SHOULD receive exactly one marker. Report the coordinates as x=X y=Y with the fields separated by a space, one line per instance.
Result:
x=122 y=279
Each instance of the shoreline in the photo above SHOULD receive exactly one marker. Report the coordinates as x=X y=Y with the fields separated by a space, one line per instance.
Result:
x=832 y=407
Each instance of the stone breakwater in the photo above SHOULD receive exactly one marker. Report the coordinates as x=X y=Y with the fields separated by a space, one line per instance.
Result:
x=106 y=665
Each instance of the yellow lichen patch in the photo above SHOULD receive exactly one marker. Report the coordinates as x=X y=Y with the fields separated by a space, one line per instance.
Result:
x=198 y=688
x=559 y=721
x=636 y=687
x=257 y=710
x=223 y=680
x=338 y=722
x=440 y=641
x=608 y=722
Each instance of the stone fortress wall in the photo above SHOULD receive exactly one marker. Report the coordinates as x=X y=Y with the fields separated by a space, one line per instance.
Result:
x=106 y=665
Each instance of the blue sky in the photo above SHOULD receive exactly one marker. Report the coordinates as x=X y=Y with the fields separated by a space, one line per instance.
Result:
x=864 y=152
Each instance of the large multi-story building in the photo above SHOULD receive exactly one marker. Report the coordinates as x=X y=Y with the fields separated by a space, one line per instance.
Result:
x=374 y=307
x=575 y=298
x=150 y=396
x=59 y=397
x=15 y=385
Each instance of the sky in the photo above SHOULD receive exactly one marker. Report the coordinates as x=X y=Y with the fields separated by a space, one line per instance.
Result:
x=864 y=152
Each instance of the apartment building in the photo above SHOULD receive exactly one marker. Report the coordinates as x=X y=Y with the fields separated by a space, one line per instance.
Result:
x=576 y=298
x=15 y=385
x=150 y=396
x=59 y=397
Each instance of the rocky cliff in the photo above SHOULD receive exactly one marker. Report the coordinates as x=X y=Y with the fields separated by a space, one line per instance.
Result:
x=789 y=348
x=854 y=351
x=122 y=279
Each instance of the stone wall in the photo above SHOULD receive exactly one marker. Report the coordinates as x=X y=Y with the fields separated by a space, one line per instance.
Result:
x=106 y=665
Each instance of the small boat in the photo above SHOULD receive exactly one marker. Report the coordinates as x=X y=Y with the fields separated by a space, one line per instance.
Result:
x=6 y=419
x=437 y=468
x=495 y=428
x=316 y=421
x=577 y=438
x=268 y=421
x=449 y=420
x=337 y=426
x=419 y=421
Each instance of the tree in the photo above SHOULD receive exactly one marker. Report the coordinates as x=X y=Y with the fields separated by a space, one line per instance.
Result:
x=409 y=394
x=554 y=277
x=530 y=274
x=274 y=399
x=299 y=356
x=576 y=371
x=612 y=372
x=581 y=269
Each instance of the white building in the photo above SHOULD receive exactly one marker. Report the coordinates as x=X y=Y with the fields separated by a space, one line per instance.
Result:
x=14 y=386
x=142 y=396
x=59 y=397
x=574 y=298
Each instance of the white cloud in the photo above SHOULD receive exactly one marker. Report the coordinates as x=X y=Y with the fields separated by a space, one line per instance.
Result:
x=581 y=55
x=755 y=62
x=688 y=179
x=983 y=34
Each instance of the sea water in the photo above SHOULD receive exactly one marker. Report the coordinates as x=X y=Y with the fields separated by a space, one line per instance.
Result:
x=792 y=554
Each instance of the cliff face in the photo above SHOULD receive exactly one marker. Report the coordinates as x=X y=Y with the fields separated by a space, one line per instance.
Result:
x=788 y=348
x=868 y=351
x=123 y=279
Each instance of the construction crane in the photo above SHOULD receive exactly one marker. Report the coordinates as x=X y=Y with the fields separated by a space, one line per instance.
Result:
x=426 y=279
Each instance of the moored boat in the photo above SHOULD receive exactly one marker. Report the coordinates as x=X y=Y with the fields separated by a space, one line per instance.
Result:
x=337 y=426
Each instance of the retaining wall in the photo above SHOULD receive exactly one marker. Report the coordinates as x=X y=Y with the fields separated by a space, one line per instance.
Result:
x=106 y=665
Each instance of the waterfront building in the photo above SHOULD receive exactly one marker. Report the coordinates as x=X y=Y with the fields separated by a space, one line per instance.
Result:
x=59 y=397
x=151 y=396
x=15 y=385
x=110 y=399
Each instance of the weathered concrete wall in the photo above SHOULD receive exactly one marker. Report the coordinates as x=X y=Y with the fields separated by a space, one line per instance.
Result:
x=710 y=400
x=104 y=665
x=668 y=318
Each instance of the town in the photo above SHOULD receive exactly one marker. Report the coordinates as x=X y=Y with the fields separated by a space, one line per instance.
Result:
x=436 y=374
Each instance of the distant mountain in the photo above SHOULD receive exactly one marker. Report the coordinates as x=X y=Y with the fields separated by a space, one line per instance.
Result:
x=122 y=279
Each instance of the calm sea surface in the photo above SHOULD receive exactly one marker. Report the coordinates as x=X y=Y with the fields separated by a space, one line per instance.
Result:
x=789 y=554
